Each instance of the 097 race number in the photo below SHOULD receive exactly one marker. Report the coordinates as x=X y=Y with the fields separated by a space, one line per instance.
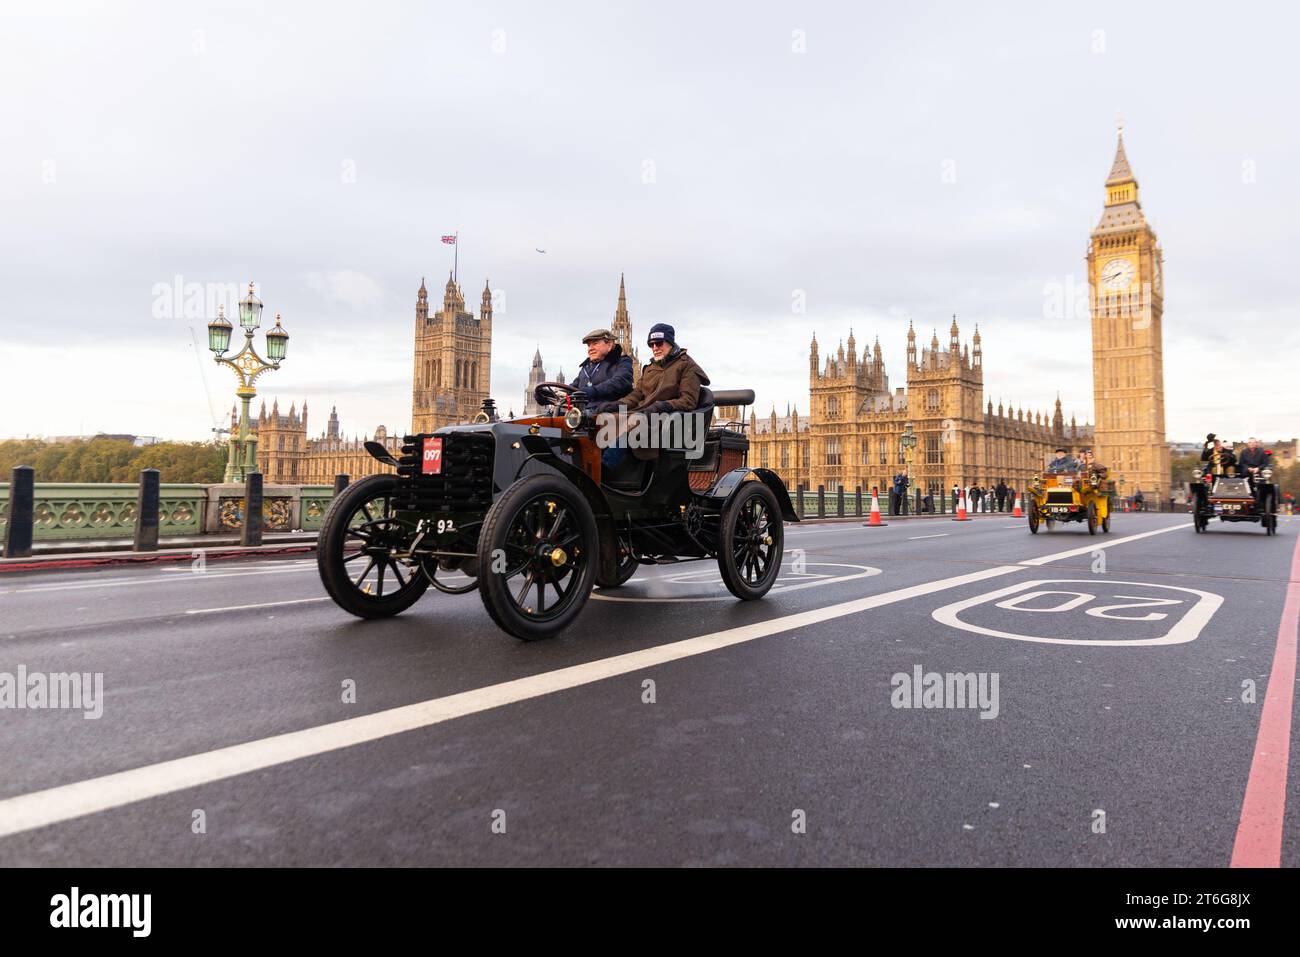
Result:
x=431 y=457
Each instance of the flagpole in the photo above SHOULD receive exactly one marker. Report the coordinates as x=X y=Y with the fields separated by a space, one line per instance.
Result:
x=455 y=268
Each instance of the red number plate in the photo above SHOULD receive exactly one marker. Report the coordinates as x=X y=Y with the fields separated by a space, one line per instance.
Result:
x=431 y=461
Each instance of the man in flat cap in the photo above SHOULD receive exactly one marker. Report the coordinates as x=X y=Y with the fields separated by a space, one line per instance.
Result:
x=606 y=374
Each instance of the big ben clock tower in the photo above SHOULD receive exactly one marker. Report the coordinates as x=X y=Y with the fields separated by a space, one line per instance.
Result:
x=1127 y=299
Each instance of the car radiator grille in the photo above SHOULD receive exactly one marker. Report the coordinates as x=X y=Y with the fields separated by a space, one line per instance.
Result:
x=464 y=484
x=1060 y=498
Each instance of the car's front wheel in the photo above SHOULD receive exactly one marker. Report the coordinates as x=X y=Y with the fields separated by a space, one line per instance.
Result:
x=1268 y=514
x=751 y=541
x=537 y=556
x=359 y=551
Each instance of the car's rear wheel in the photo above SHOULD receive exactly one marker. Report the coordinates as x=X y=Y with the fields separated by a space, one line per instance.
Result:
x=357 y=553
x=1105 y=522
x=1092 y=518
x=627 y=566
x=537 y=555
x=1267 y=517
x=751 y=541
x=1034 y=518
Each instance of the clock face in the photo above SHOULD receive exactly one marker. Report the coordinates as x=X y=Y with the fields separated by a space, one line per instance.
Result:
x=1118 y=274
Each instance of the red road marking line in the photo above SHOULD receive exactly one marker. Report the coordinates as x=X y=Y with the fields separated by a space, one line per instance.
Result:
x=1259 y=832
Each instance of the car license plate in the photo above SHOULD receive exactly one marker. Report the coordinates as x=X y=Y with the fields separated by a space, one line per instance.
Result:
x=431 y=459
x=1060 y=508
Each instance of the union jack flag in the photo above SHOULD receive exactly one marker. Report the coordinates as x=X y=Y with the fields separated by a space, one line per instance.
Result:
x=449 y=240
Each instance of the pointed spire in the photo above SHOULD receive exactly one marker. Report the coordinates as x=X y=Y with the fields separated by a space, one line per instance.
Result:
x=976 y=338
x=911 y=332
x=1120 y=172
x=952 y=331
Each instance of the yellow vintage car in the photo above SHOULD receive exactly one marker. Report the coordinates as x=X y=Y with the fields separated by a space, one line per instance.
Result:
x=1082 y=494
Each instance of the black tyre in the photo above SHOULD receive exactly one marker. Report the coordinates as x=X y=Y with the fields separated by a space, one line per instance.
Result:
x=1092 y=518
x=1267 y=517
x=537 y=555
x=1034 y=518
x=627 y=566
x=356 y=554
x=751 y=541
x=1105 y=523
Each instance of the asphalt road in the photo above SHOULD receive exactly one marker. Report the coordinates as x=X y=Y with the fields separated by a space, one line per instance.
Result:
x=1112 y=730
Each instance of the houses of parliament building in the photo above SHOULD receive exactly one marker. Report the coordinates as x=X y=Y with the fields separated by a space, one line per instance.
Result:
x=850 y=435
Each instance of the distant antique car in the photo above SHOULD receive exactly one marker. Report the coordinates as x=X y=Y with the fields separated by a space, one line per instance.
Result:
x=1082 y=495
x=526 y=511
x=1231 y=498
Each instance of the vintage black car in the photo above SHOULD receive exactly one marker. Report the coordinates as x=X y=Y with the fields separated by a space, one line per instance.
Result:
x=1230 y=498
x=526 y=512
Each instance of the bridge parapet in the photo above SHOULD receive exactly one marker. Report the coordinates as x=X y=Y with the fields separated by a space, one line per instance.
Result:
x=90 y=510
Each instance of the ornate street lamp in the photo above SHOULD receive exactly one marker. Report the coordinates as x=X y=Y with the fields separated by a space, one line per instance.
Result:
x=247 y=365
x=907 y=442
x=219 y=332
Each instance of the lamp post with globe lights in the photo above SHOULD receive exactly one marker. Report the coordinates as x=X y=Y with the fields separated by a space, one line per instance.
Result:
x=907 y=442
x=247 y=365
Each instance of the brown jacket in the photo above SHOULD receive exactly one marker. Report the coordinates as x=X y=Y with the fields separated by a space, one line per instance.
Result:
x=669 y=386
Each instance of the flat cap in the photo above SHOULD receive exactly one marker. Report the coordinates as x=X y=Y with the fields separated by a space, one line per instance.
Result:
x=598 y=334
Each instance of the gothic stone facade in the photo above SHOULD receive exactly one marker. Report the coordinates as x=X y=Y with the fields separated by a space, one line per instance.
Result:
x=851 y=437
x=287 y=457
x=453 y=359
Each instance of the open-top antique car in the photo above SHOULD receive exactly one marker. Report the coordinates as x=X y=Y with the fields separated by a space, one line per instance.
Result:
x=1082 y=495
x=525 y=510
x=1231 y=498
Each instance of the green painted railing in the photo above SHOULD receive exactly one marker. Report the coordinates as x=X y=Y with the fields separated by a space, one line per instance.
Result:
x=315 y=500
x=91 y=511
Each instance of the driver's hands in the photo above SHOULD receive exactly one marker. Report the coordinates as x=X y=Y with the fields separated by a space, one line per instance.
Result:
x=582 y=394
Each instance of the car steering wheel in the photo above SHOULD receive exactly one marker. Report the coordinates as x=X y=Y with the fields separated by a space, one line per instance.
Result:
x=553 y=393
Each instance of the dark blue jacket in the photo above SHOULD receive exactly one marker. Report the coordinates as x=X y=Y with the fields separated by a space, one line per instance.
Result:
x=606 y=380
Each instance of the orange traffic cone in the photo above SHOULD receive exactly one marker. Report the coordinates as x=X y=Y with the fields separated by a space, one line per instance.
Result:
x=1015 y=512
x=874 y=521
x=961 y=509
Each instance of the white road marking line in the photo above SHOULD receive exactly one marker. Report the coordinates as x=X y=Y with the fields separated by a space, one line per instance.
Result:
x=263 y=604
x=119 y=582
x=1099 y=542
x=53 y=805
x=940 y=535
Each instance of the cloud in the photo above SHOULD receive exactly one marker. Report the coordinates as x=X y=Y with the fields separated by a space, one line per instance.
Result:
x=347 y=287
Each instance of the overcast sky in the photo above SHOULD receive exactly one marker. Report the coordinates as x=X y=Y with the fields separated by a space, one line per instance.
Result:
x=884 y=162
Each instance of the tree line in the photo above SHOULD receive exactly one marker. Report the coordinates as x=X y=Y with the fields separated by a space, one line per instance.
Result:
x=114 y=460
